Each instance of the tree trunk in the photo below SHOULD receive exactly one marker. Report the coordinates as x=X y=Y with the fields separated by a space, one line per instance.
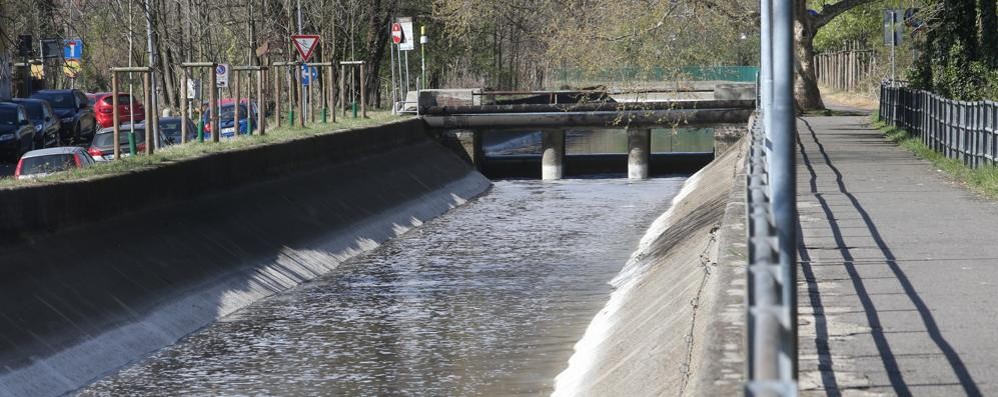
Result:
x=806 y=91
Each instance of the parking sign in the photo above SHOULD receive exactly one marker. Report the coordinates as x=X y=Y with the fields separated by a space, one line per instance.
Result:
x=222 y=75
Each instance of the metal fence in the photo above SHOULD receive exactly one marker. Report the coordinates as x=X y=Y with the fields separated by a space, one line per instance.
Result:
x=962 y=130
x=771 y=206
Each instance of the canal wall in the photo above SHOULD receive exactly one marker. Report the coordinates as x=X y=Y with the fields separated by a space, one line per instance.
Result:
x=104 y=272
x=672 y=325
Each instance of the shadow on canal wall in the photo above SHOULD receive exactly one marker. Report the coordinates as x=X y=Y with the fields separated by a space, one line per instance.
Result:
x=107 y=271
x=659 y=334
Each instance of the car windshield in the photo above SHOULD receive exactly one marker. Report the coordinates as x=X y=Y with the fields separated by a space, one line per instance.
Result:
x=104 y=139
x=8 y=116
x=47 y=164
x=58 y=100
x=228 y=111
x=122 y=99
x=35 y=112
x=170 y=128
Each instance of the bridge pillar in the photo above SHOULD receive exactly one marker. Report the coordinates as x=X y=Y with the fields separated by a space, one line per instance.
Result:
x=553 y=157
x=638 y=149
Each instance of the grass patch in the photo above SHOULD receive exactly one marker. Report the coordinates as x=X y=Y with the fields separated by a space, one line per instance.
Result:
x=983 y=180
x=192 y=150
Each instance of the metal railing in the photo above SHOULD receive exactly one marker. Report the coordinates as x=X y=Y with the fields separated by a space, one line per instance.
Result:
x=961 y=130
x=771 y=208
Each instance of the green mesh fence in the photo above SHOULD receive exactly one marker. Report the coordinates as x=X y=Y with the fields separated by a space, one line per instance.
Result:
x=745 y=74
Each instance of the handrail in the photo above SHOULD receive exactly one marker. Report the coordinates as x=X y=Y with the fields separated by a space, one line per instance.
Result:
x=771 y=208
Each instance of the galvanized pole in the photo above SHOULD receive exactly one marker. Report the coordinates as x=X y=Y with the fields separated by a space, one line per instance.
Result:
x=391 y=51
x=152 y=64
x=213 y=105
x=235 y=106
x=783 y=179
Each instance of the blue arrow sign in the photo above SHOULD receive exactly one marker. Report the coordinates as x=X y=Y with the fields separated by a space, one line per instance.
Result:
x=307 y=77
x=72 y=49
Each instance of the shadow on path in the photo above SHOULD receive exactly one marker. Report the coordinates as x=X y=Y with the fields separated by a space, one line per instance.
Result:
x=883 y=346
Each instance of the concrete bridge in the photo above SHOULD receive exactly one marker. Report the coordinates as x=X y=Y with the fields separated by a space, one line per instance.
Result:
x=555 y=119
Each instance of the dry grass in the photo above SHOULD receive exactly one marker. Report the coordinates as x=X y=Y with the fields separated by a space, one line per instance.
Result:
x=194 y=150
x=854 y=100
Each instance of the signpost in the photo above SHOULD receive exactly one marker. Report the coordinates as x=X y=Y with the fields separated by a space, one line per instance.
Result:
x=308 y=74
x=305 y=44
x=407 y=44
x=51 y=48
x=892 y=36
x=222 y=76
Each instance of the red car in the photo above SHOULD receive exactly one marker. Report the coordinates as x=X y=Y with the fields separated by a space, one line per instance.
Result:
x=102 y=105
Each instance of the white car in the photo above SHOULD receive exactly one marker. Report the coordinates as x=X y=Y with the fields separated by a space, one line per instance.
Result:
x=44 y=162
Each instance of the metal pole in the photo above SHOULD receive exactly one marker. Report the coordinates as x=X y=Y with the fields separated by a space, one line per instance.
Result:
x=154 y=101
x=391 y=51
x=145 y=90
x=894 y=44
x=407 y=71
x=783 y=179
x=422 y=54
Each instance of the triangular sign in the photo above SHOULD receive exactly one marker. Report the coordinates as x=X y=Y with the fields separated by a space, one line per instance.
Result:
x=305 y=44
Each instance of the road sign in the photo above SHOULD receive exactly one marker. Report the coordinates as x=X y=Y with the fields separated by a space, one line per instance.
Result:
x=308 y=73
x=396 y=33
x=72 y=49
x=305 y=44
x=25 y=46
x=72 y=68
x=193 y=88
x=51 y=48
x=222 y=75
x=893 y=30
x=407 y=44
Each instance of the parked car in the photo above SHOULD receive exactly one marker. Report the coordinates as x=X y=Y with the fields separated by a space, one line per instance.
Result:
x=17 y=134
x=43 y=117
x=102 y=147
x=103 y=105
x=170 y=129
x=71 y=106
x=226 y=112
x=44 y=162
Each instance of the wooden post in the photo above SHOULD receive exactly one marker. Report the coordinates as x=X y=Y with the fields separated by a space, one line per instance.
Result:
x=149 y=112
x=261 y=103
x=114 y=115
x=363 y=93
x=332 y=91
x=343 y=88
x=277 y=95
x=183 y=107
x=235 y=106
x=311 y=95
x=301 y=98
x=213 y=106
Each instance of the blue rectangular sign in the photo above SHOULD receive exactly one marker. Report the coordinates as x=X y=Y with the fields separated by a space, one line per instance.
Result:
x=72 y=49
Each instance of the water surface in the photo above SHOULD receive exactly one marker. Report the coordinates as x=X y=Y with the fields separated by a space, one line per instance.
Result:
x=486 y=300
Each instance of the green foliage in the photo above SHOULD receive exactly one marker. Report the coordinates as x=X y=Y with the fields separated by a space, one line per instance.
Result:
x=862 y=24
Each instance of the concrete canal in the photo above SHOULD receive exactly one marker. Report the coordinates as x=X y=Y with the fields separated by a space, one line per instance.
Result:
x=487 y=299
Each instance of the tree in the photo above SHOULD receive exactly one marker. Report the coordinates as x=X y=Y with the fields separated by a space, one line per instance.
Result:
x=806 y=26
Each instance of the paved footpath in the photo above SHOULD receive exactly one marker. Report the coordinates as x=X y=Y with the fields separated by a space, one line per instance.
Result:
x=898 y=289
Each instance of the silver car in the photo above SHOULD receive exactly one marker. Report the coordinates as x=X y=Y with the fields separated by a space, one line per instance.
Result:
x=44 y=162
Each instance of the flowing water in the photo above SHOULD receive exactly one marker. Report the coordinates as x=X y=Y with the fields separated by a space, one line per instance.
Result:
x=488 y=299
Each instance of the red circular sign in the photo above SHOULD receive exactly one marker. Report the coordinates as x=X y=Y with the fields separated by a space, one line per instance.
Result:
x=396 y=33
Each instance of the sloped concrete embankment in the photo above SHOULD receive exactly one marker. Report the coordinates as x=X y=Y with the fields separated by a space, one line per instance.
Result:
x=673 y=323
x=107 y=271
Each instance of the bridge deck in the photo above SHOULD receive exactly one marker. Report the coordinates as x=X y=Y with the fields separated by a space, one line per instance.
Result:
x=898 y=292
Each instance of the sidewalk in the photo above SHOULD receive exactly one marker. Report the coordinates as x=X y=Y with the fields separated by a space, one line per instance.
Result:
x=898 y=288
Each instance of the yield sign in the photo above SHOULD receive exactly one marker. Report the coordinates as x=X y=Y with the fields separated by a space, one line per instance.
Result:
x=305 y=44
